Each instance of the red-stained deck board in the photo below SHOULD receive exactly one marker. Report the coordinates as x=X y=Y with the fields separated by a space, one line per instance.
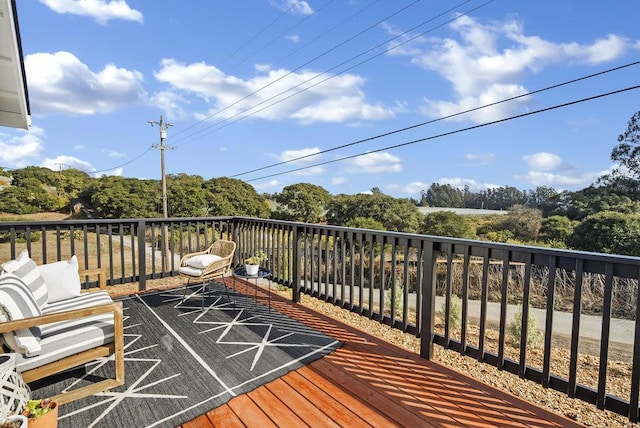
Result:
x=371 y=383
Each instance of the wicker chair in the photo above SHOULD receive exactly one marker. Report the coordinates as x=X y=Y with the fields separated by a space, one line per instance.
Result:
x=203 y=266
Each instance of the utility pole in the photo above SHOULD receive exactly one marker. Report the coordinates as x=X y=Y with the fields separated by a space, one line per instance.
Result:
x=165 y=211
x=60 y=165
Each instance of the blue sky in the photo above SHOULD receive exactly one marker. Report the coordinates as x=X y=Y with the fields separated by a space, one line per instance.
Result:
x=251 y=83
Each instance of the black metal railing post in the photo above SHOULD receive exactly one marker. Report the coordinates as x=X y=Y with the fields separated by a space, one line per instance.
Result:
x=297 y=260
x=427 y=321
x=142 y=256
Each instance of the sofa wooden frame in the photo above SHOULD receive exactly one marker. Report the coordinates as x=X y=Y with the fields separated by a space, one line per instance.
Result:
x=115 y=348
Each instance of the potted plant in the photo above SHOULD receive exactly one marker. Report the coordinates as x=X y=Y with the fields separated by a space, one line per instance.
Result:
x=41 y=413
x=14 y=421
x=252 y=264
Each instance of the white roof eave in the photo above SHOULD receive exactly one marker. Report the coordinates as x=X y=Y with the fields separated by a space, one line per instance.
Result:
x=14 y=101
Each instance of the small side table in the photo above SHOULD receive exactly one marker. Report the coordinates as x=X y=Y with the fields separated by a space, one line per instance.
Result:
x=262 y=274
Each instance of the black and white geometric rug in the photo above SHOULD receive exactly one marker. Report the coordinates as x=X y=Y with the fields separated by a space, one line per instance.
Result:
x=181 y=362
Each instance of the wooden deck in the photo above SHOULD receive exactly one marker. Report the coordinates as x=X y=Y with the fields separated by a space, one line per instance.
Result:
x=371 y=383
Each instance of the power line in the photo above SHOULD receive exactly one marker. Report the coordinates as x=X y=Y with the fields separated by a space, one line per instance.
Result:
x=324 y=33
x=445 y=134
x=386 y=134
x=255 y=36
x=331 y=69
x=269 y=43
x=123 y=164
x=290 y=72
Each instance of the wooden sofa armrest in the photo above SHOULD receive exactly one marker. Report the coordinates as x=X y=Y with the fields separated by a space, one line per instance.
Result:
x=102 y=275
x=115 y=308
x=115 y=348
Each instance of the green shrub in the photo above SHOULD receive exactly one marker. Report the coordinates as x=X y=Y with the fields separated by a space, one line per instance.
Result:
x=398 y=304
x=534 y=336
x=455 y=311
x=20 y=237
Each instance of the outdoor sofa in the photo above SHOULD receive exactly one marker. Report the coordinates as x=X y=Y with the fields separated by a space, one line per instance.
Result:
x=53 y=327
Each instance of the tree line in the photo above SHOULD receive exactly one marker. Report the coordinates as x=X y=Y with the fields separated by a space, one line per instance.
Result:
x=604 y=217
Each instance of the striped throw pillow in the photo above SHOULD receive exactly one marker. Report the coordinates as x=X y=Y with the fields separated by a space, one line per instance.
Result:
x=27 y=270
x=17 y=302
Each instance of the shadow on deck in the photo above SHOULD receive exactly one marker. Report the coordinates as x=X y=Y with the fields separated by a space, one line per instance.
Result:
x=370 y=382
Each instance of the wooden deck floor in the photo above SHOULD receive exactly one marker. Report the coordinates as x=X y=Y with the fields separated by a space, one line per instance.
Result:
x=371 y=383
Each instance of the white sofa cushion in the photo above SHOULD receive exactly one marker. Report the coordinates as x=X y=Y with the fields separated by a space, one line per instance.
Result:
x=65 y=338
x=27 y=270
x=17 y=302
x=62 y=279
x=201 y=261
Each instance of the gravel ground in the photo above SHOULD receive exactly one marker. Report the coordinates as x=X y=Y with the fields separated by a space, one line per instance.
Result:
x=585 y=413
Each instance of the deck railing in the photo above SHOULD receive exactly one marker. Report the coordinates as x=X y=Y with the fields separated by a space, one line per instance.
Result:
x=478 y=298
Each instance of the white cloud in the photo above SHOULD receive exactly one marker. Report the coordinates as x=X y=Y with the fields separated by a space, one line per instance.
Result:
x=294 y=6
x=338 y=181
x=373 y=163
x=548 y=169
x=113 y=154
x=413 y=188
x=561 y=181
x=499 y=54
x=67 y=162
x=60 y=83
x=100 y=10
x=482 y=158
x=308 y=154
x=544 y=161
x=292 y=158
x=79 y=147
x=16 y=149
x=293 y=38
x=271 y=185
x=170 y=103
x=114 y=172
x=269 y=94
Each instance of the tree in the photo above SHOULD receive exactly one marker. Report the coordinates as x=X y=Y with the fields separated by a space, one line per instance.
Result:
x=503 y=198
x=557 y=228
x=230 y=196
x=13 y=200
x=444 y=195
x=364 y=223
x=303 y=202
x=593 y=199
x=394 y=214
x=627 y=153
x=523 y=222
x=608 y=232
x=541 y=197
x=72 y=183
x=43 y=175
x=118 y=197
x=447 y=223
x=186 y=195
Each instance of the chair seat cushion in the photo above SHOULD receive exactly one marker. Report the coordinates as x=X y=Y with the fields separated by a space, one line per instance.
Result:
x=190 y=271
x=65 y=338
